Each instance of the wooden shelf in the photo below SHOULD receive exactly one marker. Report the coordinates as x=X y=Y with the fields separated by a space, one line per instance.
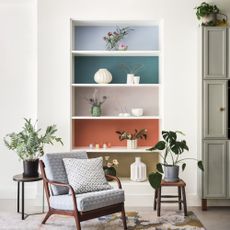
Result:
x=116 y=53
x=118 y=85
x=114 y=118
x=116 y=149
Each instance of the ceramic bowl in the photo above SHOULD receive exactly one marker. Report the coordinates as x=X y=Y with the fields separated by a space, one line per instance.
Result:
x=137 y=112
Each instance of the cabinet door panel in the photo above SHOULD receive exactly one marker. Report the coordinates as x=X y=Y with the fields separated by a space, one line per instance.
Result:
x=215 y=109
x=215 y=161
x=214 y=53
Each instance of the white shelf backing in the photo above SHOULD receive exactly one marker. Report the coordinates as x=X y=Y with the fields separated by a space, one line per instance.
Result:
x=116 y=53
x=120 y=100
x=117 y=149
x=118 y=85
x=114 y=118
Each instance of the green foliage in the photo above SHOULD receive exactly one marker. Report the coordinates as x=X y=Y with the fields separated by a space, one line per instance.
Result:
x=124 y=135
x=155 y=179
x=28 y=144
x=204 y=9
x=172 y=148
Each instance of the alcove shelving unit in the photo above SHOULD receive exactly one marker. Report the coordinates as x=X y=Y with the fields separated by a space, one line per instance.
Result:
x=88 y=54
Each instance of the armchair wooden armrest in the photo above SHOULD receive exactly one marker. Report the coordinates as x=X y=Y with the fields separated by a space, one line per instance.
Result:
x=61 y=184
x=116 y=179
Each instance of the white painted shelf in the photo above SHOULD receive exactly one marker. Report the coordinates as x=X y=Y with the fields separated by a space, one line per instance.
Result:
x=114 y=118
x=127 y=181
x=116 y=149
x=115 y=53
x=118 y=85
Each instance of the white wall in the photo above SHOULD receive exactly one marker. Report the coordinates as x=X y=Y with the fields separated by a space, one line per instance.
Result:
x=18 y=88
x=18 y=81
x=180 y=61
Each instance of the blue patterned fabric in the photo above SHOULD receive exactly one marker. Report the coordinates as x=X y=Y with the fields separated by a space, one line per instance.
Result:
x=88 y=201
x=55 y=170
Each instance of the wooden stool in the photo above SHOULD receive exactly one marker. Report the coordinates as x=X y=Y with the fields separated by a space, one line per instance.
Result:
x=181 y=189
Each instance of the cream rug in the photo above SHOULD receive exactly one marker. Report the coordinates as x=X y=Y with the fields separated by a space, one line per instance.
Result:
x=169 y=220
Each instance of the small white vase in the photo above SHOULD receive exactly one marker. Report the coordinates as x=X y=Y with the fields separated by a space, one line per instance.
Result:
x=103 y=76
x=131 y=144
x=130 y=77
x=138 y=170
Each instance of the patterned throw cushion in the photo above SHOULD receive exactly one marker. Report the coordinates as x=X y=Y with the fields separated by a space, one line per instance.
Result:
x=86 y=175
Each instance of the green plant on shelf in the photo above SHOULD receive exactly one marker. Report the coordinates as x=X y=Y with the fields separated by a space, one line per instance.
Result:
x=112 y=39
x=125 y=135
x=96 y=103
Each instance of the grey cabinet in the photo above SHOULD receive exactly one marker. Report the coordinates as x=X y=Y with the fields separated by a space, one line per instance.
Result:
x=215 y=108
x=214 y=52
x=215 y=143
x=215 y=169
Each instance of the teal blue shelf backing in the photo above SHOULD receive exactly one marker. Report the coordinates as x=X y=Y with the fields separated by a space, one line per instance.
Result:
x=86 y=67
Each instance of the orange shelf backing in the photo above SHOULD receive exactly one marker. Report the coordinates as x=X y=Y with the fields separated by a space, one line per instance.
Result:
x=87 y=132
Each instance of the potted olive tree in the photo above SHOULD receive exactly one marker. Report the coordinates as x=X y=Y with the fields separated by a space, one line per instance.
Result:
x=172 y=150
x=207 y=13
x=29 y=145
x=132 y=137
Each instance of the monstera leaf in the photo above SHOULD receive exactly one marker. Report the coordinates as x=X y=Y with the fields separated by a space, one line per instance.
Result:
x=155 y=179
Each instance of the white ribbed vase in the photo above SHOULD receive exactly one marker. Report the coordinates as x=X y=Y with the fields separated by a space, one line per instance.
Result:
x=138 y=170
x=132 y=144
x=103 y=76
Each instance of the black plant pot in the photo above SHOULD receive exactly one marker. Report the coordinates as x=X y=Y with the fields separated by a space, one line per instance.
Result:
x=30 y=168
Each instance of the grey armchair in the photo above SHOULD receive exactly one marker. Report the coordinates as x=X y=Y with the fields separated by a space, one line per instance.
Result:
x=81 y=206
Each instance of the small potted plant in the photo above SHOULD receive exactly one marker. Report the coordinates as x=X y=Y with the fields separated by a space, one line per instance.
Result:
x=207 y=13
x=112 y=39
x=173 y=149
x=96 y=103
x=29 y=145
x=132 y=137
x=109 y=167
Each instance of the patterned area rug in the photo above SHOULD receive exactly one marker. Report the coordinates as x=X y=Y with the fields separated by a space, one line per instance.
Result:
x=169 y=220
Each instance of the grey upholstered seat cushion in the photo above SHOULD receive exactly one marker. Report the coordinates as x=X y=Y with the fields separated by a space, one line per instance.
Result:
x=55 y=169
x=88 y=201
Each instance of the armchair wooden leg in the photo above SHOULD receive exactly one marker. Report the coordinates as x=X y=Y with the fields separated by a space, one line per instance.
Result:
x=48 y=214
x=123 y=217
x=78 y=224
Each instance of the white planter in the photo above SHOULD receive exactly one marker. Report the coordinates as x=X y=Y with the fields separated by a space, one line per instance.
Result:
x=130 y=77
x=103 y=76
x=131 y=144
x=138 y=170
x=209 y=18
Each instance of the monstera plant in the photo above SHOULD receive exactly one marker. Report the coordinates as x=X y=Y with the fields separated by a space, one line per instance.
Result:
x=171 y=149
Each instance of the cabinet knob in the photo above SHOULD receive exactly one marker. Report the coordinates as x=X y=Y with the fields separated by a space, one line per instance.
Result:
x=222 y=109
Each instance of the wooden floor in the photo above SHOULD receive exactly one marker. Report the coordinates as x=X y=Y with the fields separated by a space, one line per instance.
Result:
x=216 y=218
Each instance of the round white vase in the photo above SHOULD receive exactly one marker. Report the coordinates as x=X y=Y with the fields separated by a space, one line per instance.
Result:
x=103 y=76
x=138 y=170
